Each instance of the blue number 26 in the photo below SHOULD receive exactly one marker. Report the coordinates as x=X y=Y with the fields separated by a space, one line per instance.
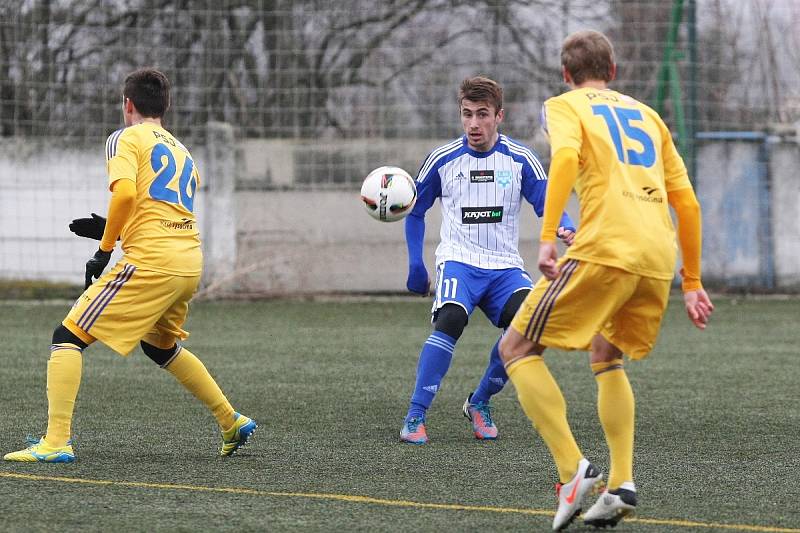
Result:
x=616 y=116
x=163 y=163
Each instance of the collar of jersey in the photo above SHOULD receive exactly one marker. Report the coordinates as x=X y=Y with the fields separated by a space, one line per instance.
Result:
x=475 y=153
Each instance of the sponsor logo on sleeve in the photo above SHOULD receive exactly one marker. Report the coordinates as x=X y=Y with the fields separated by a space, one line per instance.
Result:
x=481 y=215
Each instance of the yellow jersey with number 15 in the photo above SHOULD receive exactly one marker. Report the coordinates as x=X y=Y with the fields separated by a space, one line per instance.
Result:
x=628 y=164
x=162 y=233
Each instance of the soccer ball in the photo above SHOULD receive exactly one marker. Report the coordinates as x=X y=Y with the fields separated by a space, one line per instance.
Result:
x=388 y=194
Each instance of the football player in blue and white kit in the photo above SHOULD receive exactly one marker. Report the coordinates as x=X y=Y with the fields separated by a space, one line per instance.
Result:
x=480 y=179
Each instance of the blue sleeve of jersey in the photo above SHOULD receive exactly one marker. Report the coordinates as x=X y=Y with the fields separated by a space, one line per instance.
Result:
x=567 y=222
x=534 y=187
x=417 y=281
x=429 y=187
x=415 y=236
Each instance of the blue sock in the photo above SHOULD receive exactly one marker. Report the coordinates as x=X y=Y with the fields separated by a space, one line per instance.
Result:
x=434 y=360
x=493 y=380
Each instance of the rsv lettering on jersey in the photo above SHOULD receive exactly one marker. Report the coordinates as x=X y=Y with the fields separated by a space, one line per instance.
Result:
x=481 y=176
x=608 y=97
x=481 y=215
x=170 y=141
x=166 y=138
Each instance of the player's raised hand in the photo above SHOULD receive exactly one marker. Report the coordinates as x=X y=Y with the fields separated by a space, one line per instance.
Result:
x=96 y=265
x=698 y=307
x=417 y=281
x=566 y=235
x=548 y=254
x=91 y=228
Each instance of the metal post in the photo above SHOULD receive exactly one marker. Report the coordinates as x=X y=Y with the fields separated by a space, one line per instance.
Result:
x=691 y=108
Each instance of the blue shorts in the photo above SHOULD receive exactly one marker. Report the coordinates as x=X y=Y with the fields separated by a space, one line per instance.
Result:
x=469 y=287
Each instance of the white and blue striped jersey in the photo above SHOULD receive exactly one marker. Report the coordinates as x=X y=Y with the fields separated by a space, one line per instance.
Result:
x=481 y=195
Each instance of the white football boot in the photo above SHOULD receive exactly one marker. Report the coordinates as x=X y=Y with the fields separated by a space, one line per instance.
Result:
x=570 y=495
x=612 y=506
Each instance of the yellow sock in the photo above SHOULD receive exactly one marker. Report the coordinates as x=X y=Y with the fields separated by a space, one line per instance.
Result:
x=193 y=375
x=616 y=409
x=63 y=382
x=543 y=403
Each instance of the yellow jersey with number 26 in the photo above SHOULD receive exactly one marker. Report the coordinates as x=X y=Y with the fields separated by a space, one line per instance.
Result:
x=628 y=163
x=162 y=233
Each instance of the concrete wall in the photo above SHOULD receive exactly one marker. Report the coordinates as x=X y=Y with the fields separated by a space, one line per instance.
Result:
x=750 y=192
x=785 y=173
x=326 y=241
x=43 y=186
x=295 y=241
x=728 y=183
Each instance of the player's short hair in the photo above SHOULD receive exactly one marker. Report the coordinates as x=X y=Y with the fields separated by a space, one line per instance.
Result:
x=588 y=55
x=148 y=89
x=481 y=89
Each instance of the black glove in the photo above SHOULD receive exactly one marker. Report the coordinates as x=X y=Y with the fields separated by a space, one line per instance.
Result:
x=92 y=228
x=96 y=265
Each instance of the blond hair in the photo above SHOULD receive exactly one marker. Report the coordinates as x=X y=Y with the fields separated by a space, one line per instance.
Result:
x=588 y=55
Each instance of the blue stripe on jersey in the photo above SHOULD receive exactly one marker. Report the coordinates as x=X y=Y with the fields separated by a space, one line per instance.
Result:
x=436 y=155
x=518 y=149
x=111 y=144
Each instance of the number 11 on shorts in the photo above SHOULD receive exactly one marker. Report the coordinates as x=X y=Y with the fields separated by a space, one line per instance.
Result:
x=447 y=288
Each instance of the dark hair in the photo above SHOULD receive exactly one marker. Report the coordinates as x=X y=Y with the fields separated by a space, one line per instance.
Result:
x=481 y=89
x=588 y=55
x=148 y=89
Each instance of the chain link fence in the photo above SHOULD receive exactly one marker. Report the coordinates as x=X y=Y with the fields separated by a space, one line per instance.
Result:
x=319 y=93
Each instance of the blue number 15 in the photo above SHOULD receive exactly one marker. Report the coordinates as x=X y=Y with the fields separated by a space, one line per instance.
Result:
x=166 y=170
x=616 y=116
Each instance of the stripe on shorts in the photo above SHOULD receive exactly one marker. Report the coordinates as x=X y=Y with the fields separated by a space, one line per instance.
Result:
x=91 y=313
x=542 y=312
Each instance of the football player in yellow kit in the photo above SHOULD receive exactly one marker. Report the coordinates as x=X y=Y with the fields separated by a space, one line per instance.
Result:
x=609 y=291
x=145 y=297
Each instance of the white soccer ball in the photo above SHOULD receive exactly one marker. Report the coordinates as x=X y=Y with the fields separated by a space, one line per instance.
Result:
x=388 y=194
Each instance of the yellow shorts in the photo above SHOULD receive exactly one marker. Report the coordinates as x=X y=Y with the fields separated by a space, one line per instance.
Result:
x=587 y=299
x=129 y=304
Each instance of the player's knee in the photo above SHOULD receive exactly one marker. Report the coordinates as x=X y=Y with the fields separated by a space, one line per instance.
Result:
x=603 y=351
x=514 y=346
x=160 y=356
x=62 y=335
x=511 y=307
x=451 y=319
x=504 y=348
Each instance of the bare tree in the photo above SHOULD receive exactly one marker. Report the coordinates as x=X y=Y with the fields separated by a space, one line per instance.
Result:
x=356 y=68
